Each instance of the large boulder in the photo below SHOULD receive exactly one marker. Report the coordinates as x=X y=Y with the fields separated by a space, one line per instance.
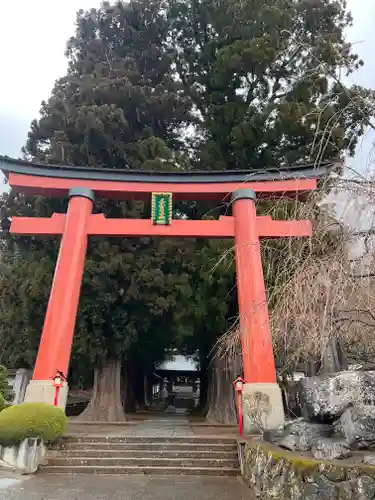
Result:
x=357 y=425
x=324 y=398
x=331 y=449
x=298 y=435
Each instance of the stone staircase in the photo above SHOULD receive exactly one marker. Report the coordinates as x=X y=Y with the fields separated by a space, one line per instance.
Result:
x=158 y=404
x=211 y=456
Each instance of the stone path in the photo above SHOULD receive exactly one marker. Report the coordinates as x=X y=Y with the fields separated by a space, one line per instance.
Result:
x=6 y=481
x=176 y=424
x=95 y=487
x=162 y=427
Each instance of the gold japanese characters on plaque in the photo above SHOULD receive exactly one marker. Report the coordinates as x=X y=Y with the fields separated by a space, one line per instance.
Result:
x=161 y=208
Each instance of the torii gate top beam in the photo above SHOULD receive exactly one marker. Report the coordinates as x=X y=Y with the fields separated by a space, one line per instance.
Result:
x=56 y=180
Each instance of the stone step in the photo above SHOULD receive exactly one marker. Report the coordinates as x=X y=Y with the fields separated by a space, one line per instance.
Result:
x=190 y=455
x=156 y=470
x=114 y=446
x=149 y=439
x=146 y=453
x=143 y=462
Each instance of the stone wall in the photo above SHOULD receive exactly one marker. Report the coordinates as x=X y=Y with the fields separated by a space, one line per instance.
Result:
x=18 y=380
x=274 y=473
x=23 y=458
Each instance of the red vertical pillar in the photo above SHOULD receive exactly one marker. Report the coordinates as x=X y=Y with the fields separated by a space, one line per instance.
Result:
x=57 y=336
x=257 y=352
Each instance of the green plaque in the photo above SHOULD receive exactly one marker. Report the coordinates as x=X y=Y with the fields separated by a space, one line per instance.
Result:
x=161 y=208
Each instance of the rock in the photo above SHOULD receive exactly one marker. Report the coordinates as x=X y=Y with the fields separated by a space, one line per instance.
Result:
x=297 y=443
x=327 y=489
x=298 y=435
x=330 y=449
x=345 y=491
x=293 y=489
x=369 y=460
x=324 y=398
x=364 y=488
x=357 y=425
x=333 y=471
x=311 y=492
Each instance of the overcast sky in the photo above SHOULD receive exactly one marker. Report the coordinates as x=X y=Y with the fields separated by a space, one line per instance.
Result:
x=32 y=58
x=32 y=45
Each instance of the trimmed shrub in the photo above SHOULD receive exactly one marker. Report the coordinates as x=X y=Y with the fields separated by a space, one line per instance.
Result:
x=31 y=420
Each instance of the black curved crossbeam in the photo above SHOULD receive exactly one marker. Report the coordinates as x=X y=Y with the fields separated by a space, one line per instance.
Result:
x=297 y=171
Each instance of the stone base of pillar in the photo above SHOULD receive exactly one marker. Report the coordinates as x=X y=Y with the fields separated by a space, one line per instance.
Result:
x=42 y=391
x=262 y=407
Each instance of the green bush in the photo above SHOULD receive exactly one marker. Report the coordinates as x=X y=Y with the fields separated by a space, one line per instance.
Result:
x=3 y=403
x=5 y=388
x=19 y=422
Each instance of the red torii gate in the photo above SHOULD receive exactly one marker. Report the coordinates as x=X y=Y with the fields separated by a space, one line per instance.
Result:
x=81 y=185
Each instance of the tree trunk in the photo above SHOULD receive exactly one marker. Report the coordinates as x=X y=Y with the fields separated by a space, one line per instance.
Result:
x=129 y=399
x=105 y=404
x=203 y=395
x=221 y=398
x=129 y=387
x=310 y=367
x=333 y=357
x=140 y=390
x=204 y=382
x=148 y=391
